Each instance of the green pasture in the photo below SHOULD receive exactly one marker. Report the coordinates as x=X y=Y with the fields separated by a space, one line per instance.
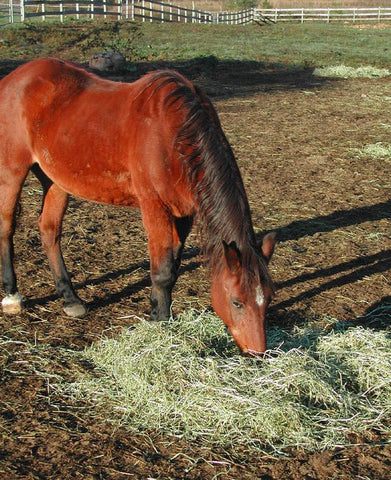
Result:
x=293 y=44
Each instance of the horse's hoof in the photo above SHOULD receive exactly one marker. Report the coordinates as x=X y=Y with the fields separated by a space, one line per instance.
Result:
x=12 y=304
x=76 y=310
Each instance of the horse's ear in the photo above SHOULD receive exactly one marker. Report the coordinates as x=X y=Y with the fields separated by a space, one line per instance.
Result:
x=268 y=244
x=232 y=257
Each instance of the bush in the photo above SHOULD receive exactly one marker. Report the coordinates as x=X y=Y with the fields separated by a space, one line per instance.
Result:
x=241 y=4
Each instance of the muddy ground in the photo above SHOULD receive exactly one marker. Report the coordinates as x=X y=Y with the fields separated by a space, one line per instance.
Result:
x=296 y=138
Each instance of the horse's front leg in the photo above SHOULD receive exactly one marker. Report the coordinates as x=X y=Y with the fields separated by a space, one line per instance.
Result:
x=158 y=224
x=163 y=277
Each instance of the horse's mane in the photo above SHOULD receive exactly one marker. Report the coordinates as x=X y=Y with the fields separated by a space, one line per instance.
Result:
x=223 y=212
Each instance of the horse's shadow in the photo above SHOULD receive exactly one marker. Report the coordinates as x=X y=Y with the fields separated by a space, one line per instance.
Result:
x=362 y=267
x=335 y=220
x=377 y=318
x=355 y=269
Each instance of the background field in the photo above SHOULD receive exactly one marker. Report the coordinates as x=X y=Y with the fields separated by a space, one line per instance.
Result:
x=314 y=154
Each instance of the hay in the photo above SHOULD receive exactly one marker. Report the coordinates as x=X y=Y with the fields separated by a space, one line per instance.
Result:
x=186 y=378
x=342 y=71
x=376 y=151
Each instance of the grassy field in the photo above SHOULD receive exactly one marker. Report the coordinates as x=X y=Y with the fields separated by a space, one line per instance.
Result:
x=295 y=45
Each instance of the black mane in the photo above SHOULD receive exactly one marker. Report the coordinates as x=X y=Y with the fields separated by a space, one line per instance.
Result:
x=223 y=211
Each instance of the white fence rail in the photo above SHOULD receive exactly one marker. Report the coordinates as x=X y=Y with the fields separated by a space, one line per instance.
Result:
x=160 y=11
x=9 y=11
x=302 y=15
x=142 y=10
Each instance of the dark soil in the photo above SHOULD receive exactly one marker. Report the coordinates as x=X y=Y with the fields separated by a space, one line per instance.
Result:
x=296 y=139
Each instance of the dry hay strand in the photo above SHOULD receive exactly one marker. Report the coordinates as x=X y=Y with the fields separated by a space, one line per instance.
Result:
x=343 y=71
x=186 y=378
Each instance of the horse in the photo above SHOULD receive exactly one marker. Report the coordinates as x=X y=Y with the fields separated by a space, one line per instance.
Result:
x=156 y=144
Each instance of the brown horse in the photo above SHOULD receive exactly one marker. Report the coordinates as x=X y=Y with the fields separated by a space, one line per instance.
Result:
x=156 y=144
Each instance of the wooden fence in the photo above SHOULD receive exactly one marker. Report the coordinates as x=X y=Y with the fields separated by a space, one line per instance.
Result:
x=9 y=11
x=328 y=15
x=142 y=10
x=160 y=11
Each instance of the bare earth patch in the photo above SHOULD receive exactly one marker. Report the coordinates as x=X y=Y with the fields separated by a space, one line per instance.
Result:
x=296 y=139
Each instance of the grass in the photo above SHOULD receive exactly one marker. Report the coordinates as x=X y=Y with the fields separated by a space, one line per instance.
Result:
x=187 y=379
x=310 y=45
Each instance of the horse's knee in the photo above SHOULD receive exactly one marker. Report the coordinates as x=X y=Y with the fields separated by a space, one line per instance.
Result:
x=165 y=277
x=12 y=304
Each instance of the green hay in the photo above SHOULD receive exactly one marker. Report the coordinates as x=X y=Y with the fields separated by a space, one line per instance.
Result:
x=342 y=71
x=186 y=378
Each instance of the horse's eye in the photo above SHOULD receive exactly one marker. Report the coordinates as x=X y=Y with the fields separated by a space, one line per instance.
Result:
x=237 y=304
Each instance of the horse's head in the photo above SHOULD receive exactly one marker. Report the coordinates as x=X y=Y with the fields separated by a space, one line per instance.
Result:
x=240 y=303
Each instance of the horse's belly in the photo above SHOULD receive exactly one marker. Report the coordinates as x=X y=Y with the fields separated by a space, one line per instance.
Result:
x=91 y=180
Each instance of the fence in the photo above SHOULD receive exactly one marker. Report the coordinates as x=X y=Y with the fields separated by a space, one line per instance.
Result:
x=9 y=11
x=144 y=10
x=152 y=11
x=302 y=15
x=158 y=11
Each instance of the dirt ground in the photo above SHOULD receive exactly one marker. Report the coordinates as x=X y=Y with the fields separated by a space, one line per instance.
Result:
x=296 y=138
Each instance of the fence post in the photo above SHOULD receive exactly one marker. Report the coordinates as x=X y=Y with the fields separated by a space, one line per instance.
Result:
x=21 y=10
x=11 y=12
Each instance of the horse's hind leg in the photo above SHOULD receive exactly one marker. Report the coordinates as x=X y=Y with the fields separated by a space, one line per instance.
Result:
x=10 y=187
x=50 y=223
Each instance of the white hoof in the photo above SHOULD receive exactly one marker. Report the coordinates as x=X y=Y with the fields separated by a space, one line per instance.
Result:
x=76 y=310
x=12 y=304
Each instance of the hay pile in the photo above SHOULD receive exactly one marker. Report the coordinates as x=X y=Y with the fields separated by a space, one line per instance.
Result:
x=343 y=71
x=187 y=378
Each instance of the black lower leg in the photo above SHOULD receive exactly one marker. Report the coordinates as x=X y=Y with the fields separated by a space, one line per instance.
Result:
x=163 y=280
x=8 y=273
x=73 y=305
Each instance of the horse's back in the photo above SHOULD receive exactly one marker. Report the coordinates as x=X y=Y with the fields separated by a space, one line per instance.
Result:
x=107 y=141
